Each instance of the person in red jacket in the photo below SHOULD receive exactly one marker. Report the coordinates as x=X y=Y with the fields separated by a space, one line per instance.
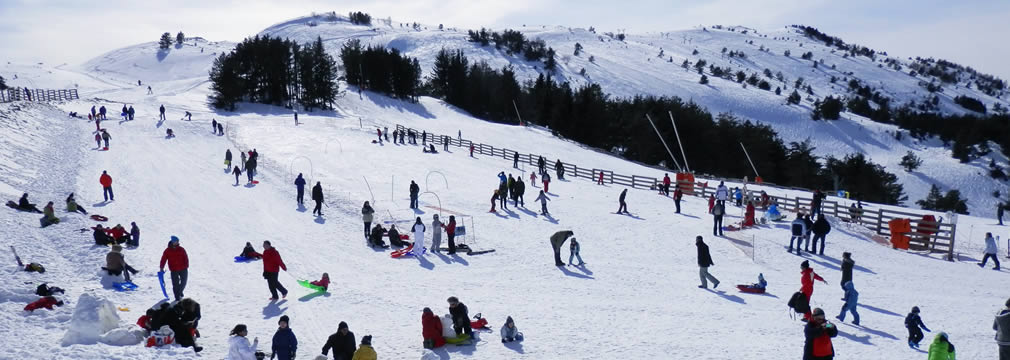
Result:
x=666 y=184
x=44 y=302
x=324 y=282
x=106 y=182
x=600 y=181
x=431 y=330
x=178 y=265
x=272 y=264
x=818 y=333
x=807 y=283
x=748 y=218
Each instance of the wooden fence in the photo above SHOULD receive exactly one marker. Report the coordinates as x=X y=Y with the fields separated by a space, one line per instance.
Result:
x=37 y=95
x=940 y=236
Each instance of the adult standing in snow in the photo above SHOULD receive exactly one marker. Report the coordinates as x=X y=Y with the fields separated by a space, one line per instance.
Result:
x=131 y=112
x=220 y=129
x=296 y=117
x=1002 y=326
x=236 y=172
x=520 y=190
x=850 y=301
x=238 y=345
x=991 y=251
x=798 y=228
x=515 y=159
x=721 y=193
x=414 y=190
x=818 y=333
x=677 y=196
x=213 y=126
x=806 y=235
x=704 y=261
x=125 y=113
x=847 y=265
x=250 y=166
x=717 y=212
x=272 y=265
x=106 y=182
x=342 y=342
x=106 y=137
x=999 y=213
x=366 y=217
x=284 y=343
x=162 y=110
x=460 y=317
x=541 y=165
x=471 y=149
x=807 y=277
x=178 y=265
x=134 y=235
x=450 y=233
x=557 y=240
x=300 y=188
x=666 y=184
x=418 y=230
x=227 y=158
x=575 y=248
x=243 y=158
x=543 y=199
x=317 y=196
x=101 y=110
x=560 y=169
x=821 y=229
x=623 y=207
x=436 y=233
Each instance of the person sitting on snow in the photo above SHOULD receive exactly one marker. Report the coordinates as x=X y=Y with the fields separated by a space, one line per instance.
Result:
x=72 y=205
x=101 y=238
x=509 y=331
x=431 y=330
x=45 y=302
x=24 y=205
x=394 y=237
x=323 y=283
x=49 y=215
x=249 y=252
x=169 y=133
x=376 y=238
x=115 y=263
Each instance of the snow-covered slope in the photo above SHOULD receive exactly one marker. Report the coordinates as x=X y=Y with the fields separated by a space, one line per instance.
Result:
x=633 y=67
x=636 y=298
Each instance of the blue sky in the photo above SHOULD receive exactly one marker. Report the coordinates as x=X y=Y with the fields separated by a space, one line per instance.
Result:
x=67 y=31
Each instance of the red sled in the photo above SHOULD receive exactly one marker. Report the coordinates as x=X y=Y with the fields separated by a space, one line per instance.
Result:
x=750 y=289
x=97 y=217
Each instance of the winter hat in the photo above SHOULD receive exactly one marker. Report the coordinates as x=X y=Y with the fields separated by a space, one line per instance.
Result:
x=915 y=309
x=342 y=325
x=174 y=239
x=366 y=340
x=453 y=300
x=697 y=240
x=805 y=264
x=426 y=310
x=284 y=319
x=818 y=311
x=943 y=335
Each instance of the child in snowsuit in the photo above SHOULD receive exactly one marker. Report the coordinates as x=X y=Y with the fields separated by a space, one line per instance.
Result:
x=250 y=252
x=509 y=331
x=575 y=247
x=543 y=199
x=913 y=322
x=851 y=297
x=941 y=348
x=237 y=172
x=324 y=282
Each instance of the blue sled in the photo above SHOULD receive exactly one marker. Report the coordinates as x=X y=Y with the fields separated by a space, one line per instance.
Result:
x=243 y=259
x=124 y=286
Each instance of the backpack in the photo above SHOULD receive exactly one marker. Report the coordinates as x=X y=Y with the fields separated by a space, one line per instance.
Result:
x=798 y=302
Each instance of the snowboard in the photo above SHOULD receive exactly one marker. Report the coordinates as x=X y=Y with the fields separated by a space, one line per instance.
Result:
x=16 y=257
x=243 y=259
x=124 y=286
x=308 y=284
x=161 y=280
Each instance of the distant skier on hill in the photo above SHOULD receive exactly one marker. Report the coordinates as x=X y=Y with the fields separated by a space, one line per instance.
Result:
x=300 y=189
x=317 y=196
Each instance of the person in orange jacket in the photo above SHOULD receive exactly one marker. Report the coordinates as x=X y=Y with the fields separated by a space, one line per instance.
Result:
x=807 y=283
x=106 y=182
x=272 y=264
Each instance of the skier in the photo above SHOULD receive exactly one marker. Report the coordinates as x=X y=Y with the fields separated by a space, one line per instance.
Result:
x=162 y=110
x=818 y=333
x=509 y=332
x=284 y=343
x=515 y=160
x=366 y=217
x=850 y=301
x=106 y=138
x=557 y=240
x=1002 y=326
x=717 y=212
x=300 y=188
x=272 y=264
x=847 y=264
x=721 y=193
x=913 y=322
x=560 y=168
x=543 y=199
x=418 y=230
x=941 y=348
x=342 y=343
x=237 y=172
x=807 y=283
x=238 y=345
x=436 y=233
x=450 y=233
x=990 y=252
x=460 y=317
x=704 y=261
x=178 y=265
x=623 y=206
x=575 y=248
x=546 y=178
x=317 y=196
x=431 y=329
x=414 y=189
x=365 y=351
x=821 y=229
x=227 y=158
x=677 y=196
x=106 y=182
x=799 y=227
x=666 y=184
x=72 y=205
x=520 y=190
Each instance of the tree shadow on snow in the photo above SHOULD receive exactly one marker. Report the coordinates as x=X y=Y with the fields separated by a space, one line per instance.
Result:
x=879 y=310
x=733 y=298
x=313 y=296
x=274 y=309
x=567 y=272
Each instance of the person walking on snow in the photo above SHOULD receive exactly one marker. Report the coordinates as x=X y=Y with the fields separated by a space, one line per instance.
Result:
x=717 y=213
x=704 y=261
x=106 y=137
x=623 y=208
x=821 y=229
x=106 y=182
x=162 y=110
x=543 y=199
x=1002 y=326
x=284 y=343
x=178 y=265
x=557 y=240
x=913 y=323
x=999 y=213
x=847 y=264
x=414 y=190
x=131 y=112
x=515 y=160
x=560 y=169
x=366 y=217
x=520 y=190
x=342 y=343
x=436 y=233
x=575 y=247
x=941 y=348
x=990 y=252
x=242 y=154
x=666 y=184
x=850 y=301
x=807 y=277
x=237 y=172
x=418 y=230
x=541 y=165
x=317 y=196
x=272 y=264
x=677 y=196
x=818 y=333
x=227 y=158
x=98 y=140
x=798 y=228
x=300 y=187
x=250 y=166
x=600 y=180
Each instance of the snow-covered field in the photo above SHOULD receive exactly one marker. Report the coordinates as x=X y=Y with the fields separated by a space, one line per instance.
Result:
x=636 y=297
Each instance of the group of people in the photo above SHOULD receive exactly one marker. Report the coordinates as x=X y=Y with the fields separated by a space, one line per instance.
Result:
x=248 y=164
x=284 y=344
x=48 y=211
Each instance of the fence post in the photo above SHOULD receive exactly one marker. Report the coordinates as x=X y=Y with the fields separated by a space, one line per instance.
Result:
x=880 y=220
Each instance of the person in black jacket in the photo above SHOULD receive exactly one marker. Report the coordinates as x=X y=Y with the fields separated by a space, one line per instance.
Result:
x=541 y=165
x=623 y=208
x=717 y=212
x=560 y=168
x=821 y=229
x=806 y=235
x=342 y=342
x=913 y=323
x=515 y=160
x=460 y=317
x=317 y=196
x=300 y=188
x=704 y=261
x=101 y=237
x=818 y=333
x=414 y=189
x=394 y=236
x=847 y=264
x=520 y=190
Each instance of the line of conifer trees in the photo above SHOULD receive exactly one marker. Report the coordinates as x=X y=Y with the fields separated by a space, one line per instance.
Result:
x=381 y=70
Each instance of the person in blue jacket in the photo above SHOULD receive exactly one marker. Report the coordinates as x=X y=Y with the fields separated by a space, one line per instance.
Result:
x=284 y=343
x=851 y=298
x=913 y=322
x=300 y=184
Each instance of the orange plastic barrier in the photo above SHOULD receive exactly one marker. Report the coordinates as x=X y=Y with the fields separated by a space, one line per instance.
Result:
x=686 y=183
x=899 y=227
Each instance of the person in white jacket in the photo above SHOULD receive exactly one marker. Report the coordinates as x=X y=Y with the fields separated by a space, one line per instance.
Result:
x=990 y=252
x=436 y=234
x=418 y=230
x=721 y=193
x=239 y=347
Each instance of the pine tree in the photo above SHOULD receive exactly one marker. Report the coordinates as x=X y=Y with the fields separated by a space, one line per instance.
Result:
x=794 y=98
x=3 y=84
x=910 y=162
x=578 y=49
x=950 y=202
x=180 y=38
x=165 y=42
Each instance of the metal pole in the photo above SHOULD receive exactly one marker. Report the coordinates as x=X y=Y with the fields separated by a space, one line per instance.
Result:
x=664 y=141
x=748 y=160
x=679 y=143
x=517 y=112
x=369 y=189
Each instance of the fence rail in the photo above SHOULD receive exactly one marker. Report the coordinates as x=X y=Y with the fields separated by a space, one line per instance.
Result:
x=37 y=95
x=933 y=236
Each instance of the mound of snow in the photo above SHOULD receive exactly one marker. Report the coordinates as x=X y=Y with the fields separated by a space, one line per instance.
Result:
x=93 y=317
